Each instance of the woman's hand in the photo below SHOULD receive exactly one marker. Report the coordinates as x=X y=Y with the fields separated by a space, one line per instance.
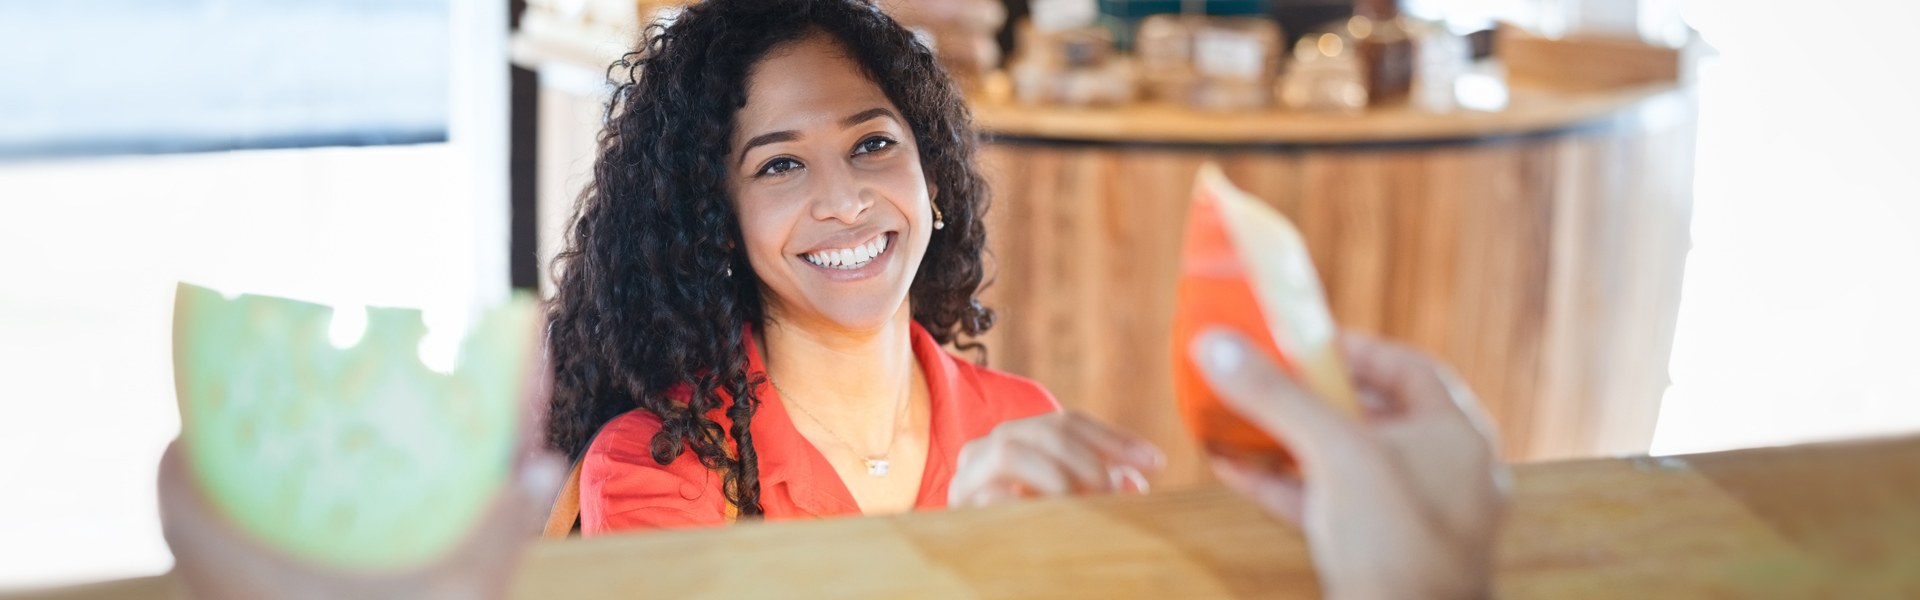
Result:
x=1402 y=505
x=1054 y=454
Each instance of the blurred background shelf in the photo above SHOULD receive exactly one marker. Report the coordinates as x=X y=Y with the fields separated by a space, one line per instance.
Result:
x=1531 y=110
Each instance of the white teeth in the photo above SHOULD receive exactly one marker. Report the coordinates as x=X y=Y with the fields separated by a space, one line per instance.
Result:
x=849 y=258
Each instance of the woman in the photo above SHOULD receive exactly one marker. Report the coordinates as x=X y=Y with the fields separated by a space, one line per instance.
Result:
x=784 y=228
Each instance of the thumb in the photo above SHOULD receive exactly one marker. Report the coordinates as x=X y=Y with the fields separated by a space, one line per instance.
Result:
x=1253 y=386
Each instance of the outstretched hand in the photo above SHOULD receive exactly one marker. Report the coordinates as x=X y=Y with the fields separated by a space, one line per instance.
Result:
x=1404 y=503
x=1054 y=454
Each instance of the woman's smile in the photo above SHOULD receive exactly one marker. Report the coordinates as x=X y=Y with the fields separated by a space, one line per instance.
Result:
x=846 y=263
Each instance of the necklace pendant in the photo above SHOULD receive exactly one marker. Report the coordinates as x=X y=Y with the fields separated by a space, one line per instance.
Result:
x=877 y=468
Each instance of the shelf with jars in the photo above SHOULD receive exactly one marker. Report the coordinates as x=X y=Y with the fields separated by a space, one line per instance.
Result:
x=1373 y=74
x=1216 y=93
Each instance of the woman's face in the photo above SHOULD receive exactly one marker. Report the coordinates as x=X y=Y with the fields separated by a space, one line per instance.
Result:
x=825 y=177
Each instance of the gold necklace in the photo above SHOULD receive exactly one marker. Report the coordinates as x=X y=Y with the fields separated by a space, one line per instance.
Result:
x=876 y=467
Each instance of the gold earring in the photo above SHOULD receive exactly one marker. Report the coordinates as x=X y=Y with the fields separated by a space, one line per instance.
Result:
x=939 y=222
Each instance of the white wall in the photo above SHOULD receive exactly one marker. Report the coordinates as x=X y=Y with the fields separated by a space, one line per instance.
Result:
x=89 y=253
x=1800 y=314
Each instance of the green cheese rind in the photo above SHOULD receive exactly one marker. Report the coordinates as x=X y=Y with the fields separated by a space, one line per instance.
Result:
x=359 y=458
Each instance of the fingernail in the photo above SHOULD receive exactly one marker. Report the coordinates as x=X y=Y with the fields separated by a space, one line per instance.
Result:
x=1146 y=455
x=1221 y=353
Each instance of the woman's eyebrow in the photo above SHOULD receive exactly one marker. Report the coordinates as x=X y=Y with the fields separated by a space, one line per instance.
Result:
x=766 y=138
x=869 y=115
x=788 y=136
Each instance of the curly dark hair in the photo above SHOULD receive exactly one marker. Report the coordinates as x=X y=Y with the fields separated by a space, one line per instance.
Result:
x=646 y=309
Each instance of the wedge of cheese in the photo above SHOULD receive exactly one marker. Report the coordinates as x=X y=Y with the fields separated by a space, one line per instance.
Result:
x=357 y=458
x=1245 y=267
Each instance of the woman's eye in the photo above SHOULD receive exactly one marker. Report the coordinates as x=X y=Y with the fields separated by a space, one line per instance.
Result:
x=873 y=144
x=779 y=165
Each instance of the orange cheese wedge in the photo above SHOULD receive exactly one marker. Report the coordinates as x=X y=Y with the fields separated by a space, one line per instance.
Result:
x=1245 y=267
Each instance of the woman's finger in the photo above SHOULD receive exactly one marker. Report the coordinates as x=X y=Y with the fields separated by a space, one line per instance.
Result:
x=1084 y=464
x=1088 y=450
x=1044 y=473
x=1003 y=469
x=1115 y=445
x=972 y=471
x=1128 y=479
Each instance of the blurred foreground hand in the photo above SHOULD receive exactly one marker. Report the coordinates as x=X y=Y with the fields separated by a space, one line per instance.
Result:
x=216 y=562
x=1054 y=454
x=1402 y=505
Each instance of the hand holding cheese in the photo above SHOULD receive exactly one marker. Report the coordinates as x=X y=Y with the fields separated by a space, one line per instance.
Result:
x=358 y=458
x=1246 y=267
x=305 y=470
x=1402 y=503
x=1395 y=485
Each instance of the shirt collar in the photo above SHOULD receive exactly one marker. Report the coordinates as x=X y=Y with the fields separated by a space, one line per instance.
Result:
x=790 y=465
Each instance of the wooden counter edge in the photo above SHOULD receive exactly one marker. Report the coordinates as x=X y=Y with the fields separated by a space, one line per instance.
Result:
x=1687 y=525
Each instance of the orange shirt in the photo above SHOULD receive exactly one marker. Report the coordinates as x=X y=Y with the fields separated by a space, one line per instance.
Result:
x=622 y=488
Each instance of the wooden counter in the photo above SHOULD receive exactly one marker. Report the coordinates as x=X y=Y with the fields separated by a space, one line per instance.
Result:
x=1538 y=250
x=1829 y=521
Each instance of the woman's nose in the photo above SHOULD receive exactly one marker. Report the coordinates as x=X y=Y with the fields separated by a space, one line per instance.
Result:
x=841 y=196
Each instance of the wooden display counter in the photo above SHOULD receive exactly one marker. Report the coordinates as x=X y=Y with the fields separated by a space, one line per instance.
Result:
x=1538 y=250
x=1831 y=521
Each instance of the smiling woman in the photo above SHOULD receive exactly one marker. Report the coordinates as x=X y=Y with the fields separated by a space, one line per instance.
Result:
x=785 y=213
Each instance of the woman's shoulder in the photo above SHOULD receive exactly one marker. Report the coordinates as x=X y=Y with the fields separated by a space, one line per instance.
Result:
x=1009 y=396
x=623 y=488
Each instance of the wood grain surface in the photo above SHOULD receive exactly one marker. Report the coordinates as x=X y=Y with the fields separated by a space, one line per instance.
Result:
x=1819 y=521
x=1545 y=269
